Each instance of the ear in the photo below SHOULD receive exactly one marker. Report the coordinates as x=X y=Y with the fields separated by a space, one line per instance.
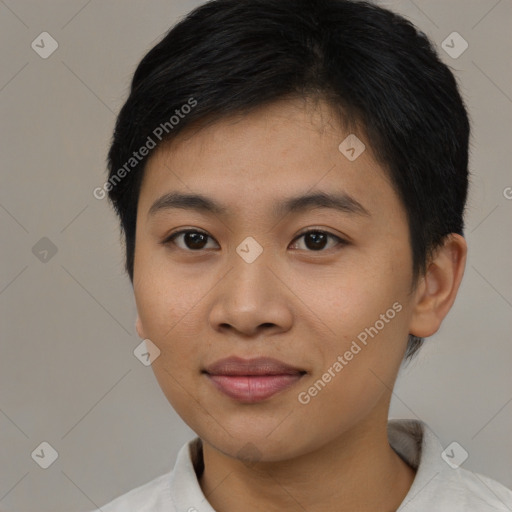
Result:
x=437 y=289
x=139 y=328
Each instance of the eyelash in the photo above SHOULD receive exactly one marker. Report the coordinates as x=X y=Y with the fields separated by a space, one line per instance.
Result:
x=170 y=239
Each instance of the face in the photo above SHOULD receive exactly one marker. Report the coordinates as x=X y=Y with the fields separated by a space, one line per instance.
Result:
x=333 y=307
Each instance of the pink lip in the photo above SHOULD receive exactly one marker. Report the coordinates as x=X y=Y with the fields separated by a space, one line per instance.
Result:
x=252 y=380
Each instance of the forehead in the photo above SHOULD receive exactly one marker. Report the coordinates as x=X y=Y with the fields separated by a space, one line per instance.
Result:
x=285 y=149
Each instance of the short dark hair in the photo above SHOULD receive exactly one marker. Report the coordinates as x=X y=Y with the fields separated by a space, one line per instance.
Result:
x=372 y=66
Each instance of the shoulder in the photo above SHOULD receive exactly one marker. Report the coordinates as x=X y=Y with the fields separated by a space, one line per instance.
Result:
x=174 y=490
x=475 y=492
x=153 y=496
x=440 y=485
x=460 y=490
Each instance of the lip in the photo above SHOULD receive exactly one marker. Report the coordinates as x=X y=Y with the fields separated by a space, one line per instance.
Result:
x=252 y=380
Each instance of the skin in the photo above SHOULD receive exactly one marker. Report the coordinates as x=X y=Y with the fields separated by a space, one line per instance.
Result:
x=294 y=303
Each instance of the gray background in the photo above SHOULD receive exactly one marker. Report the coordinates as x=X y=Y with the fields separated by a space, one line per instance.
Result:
x=68 y=375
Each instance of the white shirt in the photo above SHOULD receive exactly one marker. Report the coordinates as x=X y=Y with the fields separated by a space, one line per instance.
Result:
x=437 y=486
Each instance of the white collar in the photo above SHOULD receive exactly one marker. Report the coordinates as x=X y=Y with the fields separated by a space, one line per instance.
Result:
x=436 y=484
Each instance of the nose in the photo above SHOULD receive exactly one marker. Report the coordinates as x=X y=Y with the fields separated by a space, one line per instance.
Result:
x=252 y=298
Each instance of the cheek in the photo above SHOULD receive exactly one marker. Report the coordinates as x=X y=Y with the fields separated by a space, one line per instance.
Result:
x=357 y=365
x=167 y=317
x=163 y=296
x=356 y=297
x=366 y=310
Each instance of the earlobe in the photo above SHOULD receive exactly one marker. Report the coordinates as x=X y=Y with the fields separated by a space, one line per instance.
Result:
x=139 y=329
x=437 y=289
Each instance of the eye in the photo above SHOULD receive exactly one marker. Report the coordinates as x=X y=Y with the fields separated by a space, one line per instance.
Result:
x=193 y=239
x=316 y=240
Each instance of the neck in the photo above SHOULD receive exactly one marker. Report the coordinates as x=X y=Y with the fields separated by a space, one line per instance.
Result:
x=356 y=471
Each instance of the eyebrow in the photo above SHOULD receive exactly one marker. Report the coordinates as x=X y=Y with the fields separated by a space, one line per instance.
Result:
x=338 y=201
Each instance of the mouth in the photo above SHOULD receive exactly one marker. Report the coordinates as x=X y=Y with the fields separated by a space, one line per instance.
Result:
x=252 y=380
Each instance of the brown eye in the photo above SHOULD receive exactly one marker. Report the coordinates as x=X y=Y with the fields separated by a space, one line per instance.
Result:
x=316 y=240
x=192 y=240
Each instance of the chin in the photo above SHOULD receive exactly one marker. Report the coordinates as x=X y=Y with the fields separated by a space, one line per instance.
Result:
x=257 y=442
